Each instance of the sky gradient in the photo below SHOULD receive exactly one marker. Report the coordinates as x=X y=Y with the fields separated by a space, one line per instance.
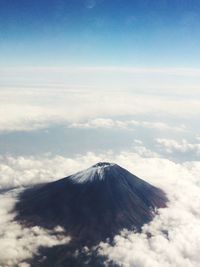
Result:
x=100 y=32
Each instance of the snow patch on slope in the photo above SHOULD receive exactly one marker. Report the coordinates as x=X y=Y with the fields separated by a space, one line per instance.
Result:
x=96 y=172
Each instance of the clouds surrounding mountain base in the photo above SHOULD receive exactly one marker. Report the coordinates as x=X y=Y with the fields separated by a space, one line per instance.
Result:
x=172 y=239
x=19 y=244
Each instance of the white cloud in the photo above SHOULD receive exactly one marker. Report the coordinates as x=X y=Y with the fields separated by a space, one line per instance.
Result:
x=95 y=123
x=178 y=248
x=157 y=125
x=126 y=124
x=144 y=152
x=19 y=243
x=107 y=69
x=198 y=137
x=182 y=146
x=22 y=171
x=35 y=108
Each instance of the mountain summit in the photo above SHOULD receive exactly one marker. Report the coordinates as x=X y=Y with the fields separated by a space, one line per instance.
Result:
x=91 y=205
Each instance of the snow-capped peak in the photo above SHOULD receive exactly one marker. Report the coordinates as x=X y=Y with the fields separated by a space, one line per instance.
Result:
x=96 y=172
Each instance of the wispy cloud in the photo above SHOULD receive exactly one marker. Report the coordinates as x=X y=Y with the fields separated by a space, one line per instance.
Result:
x=38 y=107
x=126 y=124
x=101 y=69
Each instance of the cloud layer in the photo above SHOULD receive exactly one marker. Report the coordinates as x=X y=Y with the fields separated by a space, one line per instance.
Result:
x=35 y=108
x=126 y=124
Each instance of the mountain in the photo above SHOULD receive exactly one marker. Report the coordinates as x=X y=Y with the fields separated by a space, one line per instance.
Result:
x=91 y=205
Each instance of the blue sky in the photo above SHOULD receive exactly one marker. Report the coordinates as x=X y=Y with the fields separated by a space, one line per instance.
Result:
x=100 y=32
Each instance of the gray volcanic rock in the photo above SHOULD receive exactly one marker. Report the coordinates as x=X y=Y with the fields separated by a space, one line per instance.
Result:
x=91 y=205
